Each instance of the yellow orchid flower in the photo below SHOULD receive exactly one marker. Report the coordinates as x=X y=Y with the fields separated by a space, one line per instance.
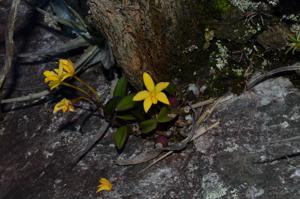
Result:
x=153 y=93
x=56 y=77
x=104 y=185
x=64 y=105
x=52 y=79
x=67 y=66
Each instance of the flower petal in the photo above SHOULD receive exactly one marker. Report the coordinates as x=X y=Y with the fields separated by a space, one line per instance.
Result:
x=67 y=65
x=65 y=76
x=147 y=104
x=141 y=95
x=58 y=107
x=71 y=108
x=64 y=105
x=148 y=81
x=161 y=86
x=162 y=98
x=48 y=73
x=60 y=70
x=50 y=76
x=104 y=185
x=53 y=84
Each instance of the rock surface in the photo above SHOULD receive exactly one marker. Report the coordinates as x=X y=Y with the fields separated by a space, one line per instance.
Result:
x=254 y=153
x=236 y=160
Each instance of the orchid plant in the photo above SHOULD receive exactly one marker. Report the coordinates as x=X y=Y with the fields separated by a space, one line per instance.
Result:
x=59 y=77
x=124 y=108
x=126 y=111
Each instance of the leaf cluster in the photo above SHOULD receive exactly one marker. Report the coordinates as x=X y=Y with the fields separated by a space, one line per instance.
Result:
x=123 y=112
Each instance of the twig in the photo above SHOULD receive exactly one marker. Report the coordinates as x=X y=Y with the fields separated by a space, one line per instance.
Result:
x=203 y=103
x=194 y=134
x=201 y=131
x=9 y=42
x=208 y=112
x=156 y=161
x=262 y=77
x=285 y=140
x=29 y=97
x=284 y=157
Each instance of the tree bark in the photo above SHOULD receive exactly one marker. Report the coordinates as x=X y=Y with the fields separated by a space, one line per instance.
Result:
x=145 y=35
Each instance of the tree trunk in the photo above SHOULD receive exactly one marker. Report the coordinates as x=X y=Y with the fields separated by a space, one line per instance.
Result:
x=146 y=35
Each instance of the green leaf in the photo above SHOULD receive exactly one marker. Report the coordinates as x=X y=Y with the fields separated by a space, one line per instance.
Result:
x=111 y=105
x=121 y=88
x=121 y=136
x=162 y=116
x=128 y=117
x=138 y=113
x=126 y=103
x=171 y=89
x=148 y=125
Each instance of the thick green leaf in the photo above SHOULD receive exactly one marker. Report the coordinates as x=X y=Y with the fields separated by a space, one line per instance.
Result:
x=126 y=103
x=148 y=125
x=162 y=116
x=138 y=113
x=127 y=117
x=171 y=89
x=121 y=88
x=120 y=136
x=111 y=105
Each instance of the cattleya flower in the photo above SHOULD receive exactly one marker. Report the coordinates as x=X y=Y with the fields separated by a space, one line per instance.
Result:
x=153 y=93
x=64 y=105
x=56 y=77
x=104 y=185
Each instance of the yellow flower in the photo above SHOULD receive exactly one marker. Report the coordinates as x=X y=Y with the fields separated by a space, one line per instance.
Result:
x=104 y=184
x=67 y=67
x=53 y=78
x=64 y=105
x=56 y=77
x=153 y=93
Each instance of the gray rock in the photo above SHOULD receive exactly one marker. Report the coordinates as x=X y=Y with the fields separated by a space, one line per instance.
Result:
x=225 y=163
x=246 y=153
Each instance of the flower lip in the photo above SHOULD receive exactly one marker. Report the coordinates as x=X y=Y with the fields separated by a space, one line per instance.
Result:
x=64 y=105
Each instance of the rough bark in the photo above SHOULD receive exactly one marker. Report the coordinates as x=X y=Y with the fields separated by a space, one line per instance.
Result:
x=143 y=34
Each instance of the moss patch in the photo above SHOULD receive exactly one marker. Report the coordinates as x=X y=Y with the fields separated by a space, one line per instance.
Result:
x=221 y=6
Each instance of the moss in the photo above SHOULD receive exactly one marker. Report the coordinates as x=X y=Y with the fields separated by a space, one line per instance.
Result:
x=221 y=6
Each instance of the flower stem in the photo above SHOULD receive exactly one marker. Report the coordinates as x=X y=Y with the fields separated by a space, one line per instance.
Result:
x=89 y=87
x=76 y=88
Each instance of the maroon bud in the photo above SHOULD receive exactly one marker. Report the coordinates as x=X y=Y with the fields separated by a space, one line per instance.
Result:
x=161 y=141
x=173 y=102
